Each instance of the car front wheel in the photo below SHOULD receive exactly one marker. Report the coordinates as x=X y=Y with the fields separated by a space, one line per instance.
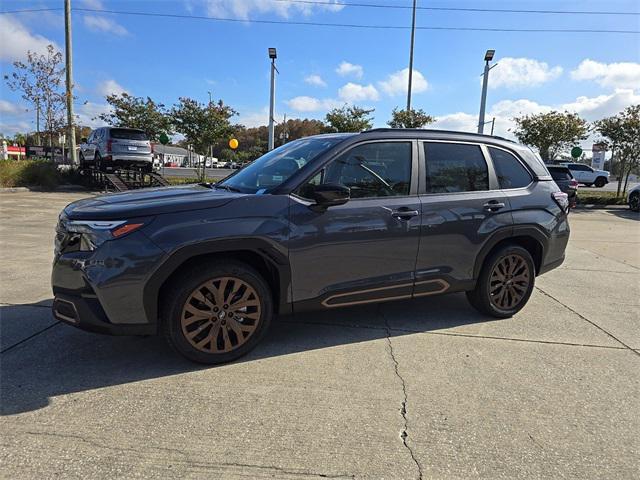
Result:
x=217 y=312
x=505 y=282
x=634 y=202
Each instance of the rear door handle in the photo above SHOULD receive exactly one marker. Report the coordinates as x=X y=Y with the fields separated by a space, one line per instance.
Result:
x=404 y=213
x=493 y=206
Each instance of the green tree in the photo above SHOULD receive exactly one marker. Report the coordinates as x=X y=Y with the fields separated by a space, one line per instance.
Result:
x=137 y=112
x=622 y=133
x=551 y=132
x=203 y=125
x=409 y=118
x=349 y=118
x=40 y=80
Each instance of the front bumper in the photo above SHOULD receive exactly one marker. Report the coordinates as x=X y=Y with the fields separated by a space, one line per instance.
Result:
x=103 y=291
x=87 y=314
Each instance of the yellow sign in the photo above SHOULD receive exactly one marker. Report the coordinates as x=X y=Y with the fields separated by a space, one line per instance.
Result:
x=233 y=144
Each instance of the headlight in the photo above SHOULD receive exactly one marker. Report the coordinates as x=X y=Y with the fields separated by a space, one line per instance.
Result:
x=86 y=235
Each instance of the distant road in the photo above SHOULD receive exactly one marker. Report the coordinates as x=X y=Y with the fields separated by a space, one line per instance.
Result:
x=191 y=172
x=609 y=187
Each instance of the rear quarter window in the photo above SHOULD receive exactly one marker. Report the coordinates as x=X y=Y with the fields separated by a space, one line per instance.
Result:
x=511 y=173
x=559 y=174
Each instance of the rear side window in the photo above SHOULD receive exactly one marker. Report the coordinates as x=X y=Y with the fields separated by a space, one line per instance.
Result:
x=455 y=167
x=510 y=172
x=128 y=134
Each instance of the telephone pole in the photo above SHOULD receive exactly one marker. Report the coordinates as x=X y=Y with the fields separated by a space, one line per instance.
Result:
x=413 y=34
x=272 y=98
x=71 y=131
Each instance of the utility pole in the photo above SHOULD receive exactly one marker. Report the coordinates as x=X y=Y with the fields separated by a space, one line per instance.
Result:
x=272 y=98
x=71 y=131
x=413 y=34
x=485 y=81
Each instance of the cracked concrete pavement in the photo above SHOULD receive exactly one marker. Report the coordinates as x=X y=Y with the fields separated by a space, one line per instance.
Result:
x=421 y=389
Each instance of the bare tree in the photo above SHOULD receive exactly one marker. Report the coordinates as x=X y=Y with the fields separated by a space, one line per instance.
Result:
x=41 y=82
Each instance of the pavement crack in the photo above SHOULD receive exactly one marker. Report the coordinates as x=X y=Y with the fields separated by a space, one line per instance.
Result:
x=10 y=347
x=404 y=434
x=588 y=321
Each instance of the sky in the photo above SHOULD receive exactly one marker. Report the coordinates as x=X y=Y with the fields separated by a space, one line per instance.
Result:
x=320 y=67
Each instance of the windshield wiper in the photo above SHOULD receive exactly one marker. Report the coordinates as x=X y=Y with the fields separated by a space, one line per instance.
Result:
x=228 y=188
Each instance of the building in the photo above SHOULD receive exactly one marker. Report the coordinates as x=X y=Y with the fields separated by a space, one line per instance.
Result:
x=167 y=154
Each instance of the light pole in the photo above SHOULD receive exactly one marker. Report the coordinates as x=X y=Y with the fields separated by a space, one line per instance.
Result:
x=272 y=98
x=413 y=34
x=483 y=100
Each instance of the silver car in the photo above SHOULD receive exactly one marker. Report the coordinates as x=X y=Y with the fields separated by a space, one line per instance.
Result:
x=114 y=148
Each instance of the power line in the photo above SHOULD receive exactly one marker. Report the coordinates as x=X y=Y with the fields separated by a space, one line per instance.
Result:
x=32 y=10
x=454 y=9
x=352 y=25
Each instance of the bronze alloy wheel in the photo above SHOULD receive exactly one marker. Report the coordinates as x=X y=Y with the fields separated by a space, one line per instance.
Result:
x=509 y=281
x=220 y=315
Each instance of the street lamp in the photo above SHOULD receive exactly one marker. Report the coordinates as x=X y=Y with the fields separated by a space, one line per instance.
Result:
x=272 y=100
x=488 y=56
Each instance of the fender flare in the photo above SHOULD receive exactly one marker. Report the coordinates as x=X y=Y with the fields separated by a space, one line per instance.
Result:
x=506 y=233
x=274 y=257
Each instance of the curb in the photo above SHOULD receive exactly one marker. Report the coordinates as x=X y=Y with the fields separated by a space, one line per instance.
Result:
x=61 y=188
x=593 y=206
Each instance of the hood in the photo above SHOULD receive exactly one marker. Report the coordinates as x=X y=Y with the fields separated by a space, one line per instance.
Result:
x=148 y=202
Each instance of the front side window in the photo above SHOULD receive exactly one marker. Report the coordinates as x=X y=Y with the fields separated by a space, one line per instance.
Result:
x=510 y=172
x=379 y=169
x=274 y=168
x=455 y=167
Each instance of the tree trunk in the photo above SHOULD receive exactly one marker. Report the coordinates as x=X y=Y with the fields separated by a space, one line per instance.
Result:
x=621 y=169
x=626 y=179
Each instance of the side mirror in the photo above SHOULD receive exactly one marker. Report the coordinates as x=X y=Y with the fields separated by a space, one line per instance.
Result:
x=83 y=140
x=330 y=195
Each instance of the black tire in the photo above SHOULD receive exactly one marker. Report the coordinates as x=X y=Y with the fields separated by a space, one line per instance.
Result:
x=97 y=163
x=174 y=310
x=481 y=297
x=82 y=162
x=600 y=182
x=634 y=201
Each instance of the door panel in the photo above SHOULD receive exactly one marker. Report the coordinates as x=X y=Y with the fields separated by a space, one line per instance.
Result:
x=462 y=207
x=364 y=250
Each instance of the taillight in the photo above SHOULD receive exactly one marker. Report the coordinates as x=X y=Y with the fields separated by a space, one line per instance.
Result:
x=109 y=142
x=573 y=184
x=562 y=199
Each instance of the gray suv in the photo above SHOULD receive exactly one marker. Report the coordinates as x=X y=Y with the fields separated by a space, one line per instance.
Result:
x=113 y=148
x=320 y=223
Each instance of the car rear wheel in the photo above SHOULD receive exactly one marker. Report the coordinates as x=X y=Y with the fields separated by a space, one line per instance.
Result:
x=505 y=282
x=600 y=182
x=217 y=312
x=634 y=201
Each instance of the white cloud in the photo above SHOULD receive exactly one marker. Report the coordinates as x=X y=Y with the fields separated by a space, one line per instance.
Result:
x=349 y=69
x=397 y=82
x=102 y=24
x=88 y=112
x=590 y=108
x=94 y=4
x=11 y=128
x=354 y=92
x=312 y=104
x=255 y=119
x=16 y=40
x=110 y=87
x=521 y=72
x=245 y=9
x=617 y=75
x=9 y=108
x=315 y=80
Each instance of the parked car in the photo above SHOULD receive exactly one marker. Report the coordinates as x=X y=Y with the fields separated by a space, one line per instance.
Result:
x=633 y=199
x=113 y=148
x=588 y=176
x=319 y=223
x=564 y=179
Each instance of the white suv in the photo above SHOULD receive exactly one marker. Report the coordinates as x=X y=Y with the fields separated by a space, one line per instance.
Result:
x=588 y=176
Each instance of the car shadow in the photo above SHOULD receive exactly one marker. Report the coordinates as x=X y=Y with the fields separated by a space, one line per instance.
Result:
x=59 y=359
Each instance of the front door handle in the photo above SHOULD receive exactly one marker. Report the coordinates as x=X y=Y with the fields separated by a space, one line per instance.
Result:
x=404 y=213
x=493 y=206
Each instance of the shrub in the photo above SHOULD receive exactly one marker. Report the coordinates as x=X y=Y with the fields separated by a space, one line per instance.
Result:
x=35 y=173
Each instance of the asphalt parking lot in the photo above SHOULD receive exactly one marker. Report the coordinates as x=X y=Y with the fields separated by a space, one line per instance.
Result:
x=421 y=389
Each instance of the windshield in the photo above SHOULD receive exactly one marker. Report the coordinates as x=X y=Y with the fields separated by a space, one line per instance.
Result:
x=128 y=134
x=277 y=166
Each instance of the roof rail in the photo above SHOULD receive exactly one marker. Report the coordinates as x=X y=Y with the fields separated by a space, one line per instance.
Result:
x=435 y=130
